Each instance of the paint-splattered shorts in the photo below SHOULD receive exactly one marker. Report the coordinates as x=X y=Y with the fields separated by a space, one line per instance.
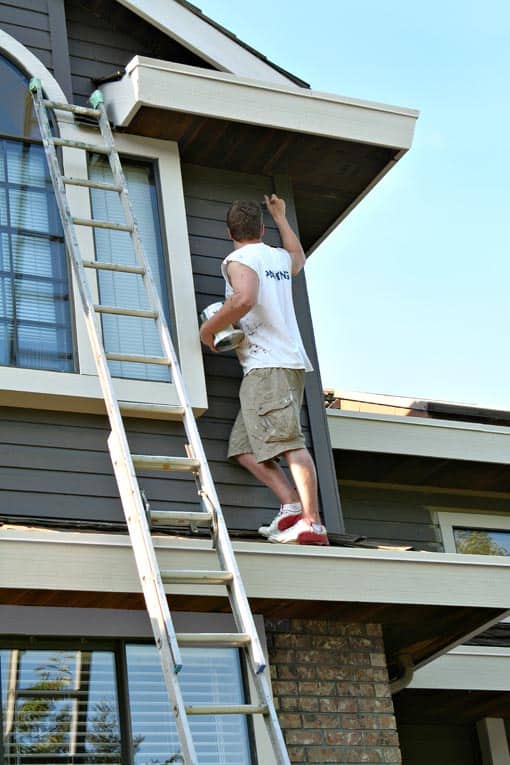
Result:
x=268 y=422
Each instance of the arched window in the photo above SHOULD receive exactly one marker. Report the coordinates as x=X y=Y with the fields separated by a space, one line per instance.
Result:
x=35 y=326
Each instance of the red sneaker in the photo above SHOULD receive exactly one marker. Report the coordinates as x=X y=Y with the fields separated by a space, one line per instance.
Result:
x=301 y=533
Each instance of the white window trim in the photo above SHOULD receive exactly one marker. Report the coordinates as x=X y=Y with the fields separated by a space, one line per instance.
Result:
x=80 y=391
x=448 y=520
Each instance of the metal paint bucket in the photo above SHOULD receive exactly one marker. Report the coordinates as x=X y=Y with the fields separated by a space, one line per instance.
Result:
x=226 y=339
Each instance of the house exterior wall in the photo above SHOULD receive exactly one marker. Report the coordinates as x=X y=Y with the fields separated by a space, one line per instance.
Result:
x=446 y=744
x=399 y=515
x=331 y=689
x=102 y=40
x=29 y=22
x=73 y=480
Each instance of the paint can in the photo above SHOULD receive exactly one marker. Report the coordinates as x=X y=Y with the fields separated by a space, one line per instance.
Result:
x=226 y=339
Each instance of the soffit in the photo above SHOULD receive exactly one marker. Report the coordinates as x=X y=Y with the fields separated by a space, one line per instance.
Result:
x=452 y=707
x=333 y=149
x=427 y=603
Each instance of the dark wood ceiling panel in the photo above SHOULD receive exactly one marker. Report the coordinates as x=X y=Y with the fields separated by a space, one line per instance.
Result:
x=438 y=473
x=429 y=707
x=327 y=175
x=420 y=631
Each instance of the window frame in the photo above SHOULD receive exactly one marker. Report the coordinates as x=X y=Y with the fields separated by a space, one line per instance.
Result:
x=79 y=391
x=472 y=520
x=36 y=627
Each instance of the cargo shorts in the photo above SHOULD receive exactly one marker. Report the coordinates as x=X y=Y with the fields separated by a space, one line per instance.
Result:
x=268 y=422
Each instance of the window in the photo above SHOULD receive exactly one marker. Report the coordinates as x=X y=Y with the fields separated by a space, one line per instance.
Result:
x=125 y=334
x=69 y=705
x=41 y=327
x=475 y=533
x=35 y=326
x=481 y=541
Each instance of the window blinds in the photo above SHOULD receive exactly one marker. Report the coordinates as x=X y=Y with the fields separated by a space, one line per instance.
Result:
x=210 y=675
x=34 y=295
x=127 y=334
x=61 y=707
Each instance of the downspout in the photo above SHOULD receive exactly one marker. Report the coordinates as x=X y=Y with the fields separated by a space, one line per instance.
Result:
x=406 y=673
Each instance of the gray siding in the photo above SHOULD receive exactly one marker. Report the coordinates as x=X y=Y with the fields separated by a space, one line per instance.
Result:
x=55 y=466
x=28 y=22
x=389 y=516
x=208 y=194
x=104 y=37
x=400 y=515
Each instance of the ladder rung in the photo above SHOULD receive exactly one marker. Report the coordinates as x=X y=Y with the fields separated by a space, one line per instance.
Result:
x=220 y=639
x=125 y=311
x=134 y=358
x=155 y=462
x=113 y=267
x=102 y=224
x=82 y=145
x=83 y=111
x=197 y=577
x=181 y=517
x=227 y=709
x=134 y=409
x=91 y=184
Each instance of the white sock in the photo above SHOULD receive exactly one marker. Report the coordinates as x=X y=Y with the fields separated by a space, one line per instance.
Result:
x=291 y=507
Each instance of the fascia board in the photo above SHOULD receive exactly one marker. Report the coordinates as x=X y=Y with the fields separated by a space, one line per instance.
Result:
x=163 y=85
x=393 y=434
x=76 y=561
x=202 y=38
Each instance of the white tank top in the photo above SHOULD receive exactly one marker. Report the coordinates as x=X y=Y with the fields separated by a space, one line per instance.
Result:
x=272 y=337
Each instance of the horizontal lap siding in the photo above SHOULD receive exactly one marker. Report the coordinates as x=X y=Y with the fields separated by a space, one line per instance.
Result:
x=105 y=39
x=390 y=517
x=403 y=516
x=208 y=195
x=28 y=22
x=56 y=466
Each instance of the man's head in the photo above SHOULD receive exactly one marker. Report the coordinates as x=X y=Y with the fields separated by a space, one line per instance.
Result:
x=244 y=221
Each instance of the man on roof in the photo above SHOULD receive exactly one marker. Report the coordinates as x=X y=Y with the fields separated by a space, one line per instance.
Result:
x=258 y=292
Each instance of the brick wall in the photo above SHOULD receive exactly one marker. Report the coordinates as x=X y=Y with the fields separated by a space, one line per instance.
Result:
x=331 y=691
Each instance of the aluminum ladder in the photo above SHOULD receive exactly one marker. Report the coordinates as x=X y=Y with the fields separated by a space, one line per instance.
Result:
x=124 y=463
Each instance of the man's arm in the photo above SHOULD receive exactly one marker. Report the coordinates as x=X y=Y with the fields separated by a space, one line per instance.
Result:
x=290 y=241
x=245 y=283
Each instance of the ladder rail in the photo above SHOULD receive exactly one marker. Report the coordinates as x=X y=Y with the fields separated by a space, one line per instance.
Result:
x=152 y=585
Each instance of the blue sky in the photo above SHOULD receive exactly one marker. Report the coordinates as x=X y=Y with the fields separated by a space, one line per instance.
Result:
x=410 y=294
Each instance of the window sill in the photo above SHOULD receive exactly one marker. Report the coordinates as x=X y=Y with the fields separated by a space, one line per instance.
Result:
x=62 y=391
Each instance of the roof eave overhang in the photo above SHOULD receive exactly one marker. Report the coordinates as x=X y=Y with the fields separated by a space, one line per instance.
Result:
x=176 y=87
x=418 y=436
x=57 y=561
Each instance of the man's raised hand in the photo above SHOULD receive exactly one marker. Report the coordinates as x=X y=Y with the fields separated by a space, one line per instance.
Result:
x=276 y=207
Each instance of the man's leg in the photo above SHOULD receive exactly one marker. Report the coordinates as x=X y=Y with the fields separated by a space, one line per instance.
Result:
x=303 y=472
x=271 y=474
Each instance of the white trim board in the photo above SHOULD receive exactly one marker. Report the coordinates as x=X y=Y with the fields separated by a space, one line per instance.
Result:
x=394 y=434
x=40 y=559
x=467 y=668
x=177 y=87
x=204 y=39
x=448 y=520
